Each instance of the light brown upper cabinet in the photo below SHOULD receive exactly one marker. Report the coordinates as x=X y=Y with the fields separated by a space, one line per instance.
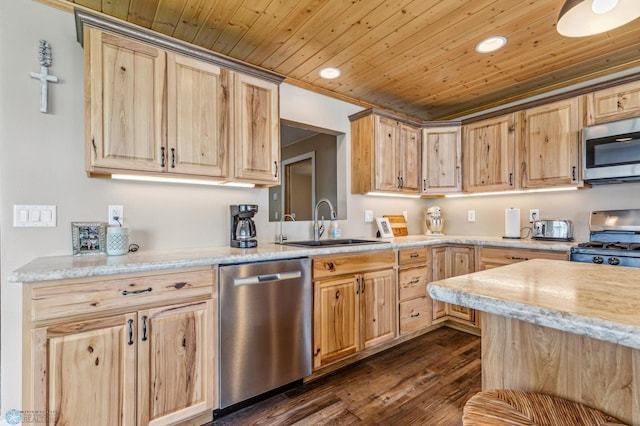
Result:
x=197 y=117
x=126 y=81
x=488 y=153
x=257 y=130
x=534 y=148
x=614 y=103
x=385 y=154
x=124 y=103
x=153 y=111
x=549 y=145
x=441 y=160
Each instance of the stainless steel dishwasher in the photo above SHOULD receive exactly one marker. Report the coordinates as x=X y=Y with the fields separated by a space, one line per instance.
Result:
x=265 y=327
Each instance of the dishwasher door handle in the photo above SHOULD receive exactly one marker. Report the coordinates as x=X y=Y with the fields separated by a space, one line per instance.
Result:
x=267 y=278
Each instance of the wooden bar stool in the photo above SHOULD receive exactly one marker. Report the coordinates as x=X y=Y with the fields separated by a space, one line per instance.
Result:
x=501 y=407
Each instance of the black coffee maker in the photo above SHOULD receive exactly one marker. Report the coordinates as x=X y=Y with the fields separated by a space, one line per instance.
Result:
x=243 y=229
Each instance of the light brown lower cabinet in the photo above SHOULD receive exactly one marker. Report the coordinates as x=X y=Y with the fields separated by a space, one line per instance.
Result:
x=354 y=304
x=493 y=257
x=450 y=261
x=146 y=362
x=415 y=306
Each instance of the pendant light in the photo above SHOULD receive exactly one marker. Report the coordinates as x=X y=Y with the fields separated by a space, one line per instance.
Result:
x=580 y=18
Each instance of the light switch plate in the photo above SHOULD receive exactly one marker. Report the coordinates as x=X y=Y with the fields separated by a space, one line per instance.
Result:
x=33 y=216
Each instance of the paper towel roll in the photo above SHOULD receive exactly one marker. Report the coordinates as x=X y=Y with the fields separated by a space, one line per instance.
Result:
x=512 y=223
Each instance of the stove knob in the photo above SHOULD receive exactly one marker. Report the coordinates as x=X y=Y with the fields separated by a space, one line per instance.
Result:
x=597 y=259
x=614 y=261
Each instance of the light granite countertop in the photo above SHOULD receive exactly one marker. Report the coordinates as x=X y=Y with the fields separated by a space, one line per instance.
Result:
x=64 y=267
x=598 y=301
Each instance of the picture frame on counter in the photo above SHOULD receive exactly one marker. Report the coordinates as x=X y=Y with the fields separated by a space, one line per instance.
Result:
x=88 y=238
x=384 y=227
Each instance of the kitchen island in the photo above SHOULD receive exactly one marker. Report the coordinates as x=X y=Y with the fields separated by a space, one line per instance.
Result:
x=562 y=328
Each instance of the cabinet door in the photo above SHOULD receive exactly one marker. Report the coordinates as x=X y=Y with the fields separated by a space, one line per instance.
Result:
x=198 y=117
x=89 y=369
x=125 y=91
x=409 y=158
x=488 y=155
x=439 y=271
x=614 y=103
x=460 y=262
x=377 y=307
x=387 y=154
x=336 y=330
x=176 y=374
x=549 y=145
x=441 y=160
x=257 y=130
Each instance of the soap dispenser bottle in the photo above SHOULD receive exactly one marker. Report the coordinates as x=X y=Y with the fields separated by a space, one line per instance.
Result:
x=335 y=230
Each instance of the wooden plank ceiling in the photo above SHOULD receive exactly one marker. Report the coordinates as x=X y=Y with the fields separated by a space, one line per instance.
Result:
x=415 y=57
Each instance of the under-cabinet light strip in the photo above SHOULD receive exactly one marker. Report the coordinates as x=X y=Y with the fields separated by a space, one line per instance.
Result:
x=524 y=191
x=389 y=194
x=176 y=180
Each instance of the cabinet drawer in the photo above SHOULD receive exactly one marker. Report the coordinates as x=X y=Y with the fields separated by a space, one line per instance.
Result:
x=412 y=282
x=415 y=314
x=461 y=312
x=412 y=256
x=339 y=264
x=88 y=296
x=506 y=256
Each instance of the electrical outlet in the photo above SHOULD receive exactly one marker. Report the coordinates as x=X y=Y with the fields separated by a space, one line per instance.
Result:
x=368 y=216
x=534 y=214
x=116 y=215
x=471 y=215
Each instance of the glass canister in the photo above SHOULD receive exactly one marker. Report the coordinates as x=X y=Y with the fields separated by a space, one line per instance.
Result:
x=117 y=240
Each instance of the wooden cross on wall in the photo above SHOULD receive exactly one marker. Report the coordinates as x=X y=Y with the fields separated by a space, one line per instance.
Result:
x=44 y=77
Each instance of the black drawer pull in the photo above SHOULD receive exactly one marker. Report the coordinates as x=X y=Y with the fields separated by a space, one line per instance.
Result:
x=417 y=314
x=126 y=292
x=414 y=255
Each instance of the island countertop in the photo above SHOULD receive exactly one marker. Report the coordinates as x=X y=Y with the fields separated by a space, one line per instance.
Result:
x=598 y=301
x=64 y=267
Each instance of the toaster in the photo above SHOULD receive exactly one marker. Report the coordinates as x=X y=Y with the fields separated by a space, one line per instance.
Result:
x=553 y=229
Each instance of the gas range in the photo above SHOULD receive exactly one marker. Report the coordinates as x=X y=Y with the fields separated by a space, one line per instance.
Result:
x=614 y=239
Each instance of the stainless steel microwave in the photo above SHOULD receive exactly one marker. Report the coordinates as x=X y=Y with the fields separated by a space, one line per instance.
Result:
x=611 y=152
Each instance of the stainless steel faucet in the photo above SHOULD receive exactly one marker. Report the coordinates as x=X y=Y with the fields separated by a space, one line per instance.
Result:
x=283 y=237
x=318 y=229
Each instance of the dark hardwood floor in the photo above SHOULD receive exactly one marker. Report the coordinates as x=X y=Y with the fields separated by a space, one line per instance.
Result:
x=425 y=381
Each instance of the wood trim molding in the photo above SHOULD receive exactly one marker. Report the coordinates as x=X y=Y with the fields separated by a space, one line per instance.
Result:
x=143 y=35
x=558 y=97
x=403 y=118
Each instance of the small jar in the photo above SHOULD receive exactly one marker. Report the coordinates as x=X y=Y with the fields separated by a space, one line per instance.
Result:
x=117 y=240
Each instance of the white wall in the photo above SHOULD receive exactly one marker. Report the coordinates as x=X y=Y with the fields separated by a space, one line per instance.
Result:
x=42 y=162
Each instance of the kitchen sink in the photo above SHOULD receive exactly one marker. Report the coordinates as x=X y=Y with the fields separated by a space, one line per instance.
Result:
x=332 y=243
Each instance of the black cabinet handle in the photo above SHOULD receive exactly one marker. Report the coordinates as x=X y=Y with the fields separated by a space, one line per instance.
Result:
x=162 y=156
x=510 y=179
x=144 y=328
x=424 y=184
x=173 y=158
x=357 y=285
x=417 y=314
x=275 y=166
x=401 y=182
x=573 y=173
x=126 y=292
x=130 y=342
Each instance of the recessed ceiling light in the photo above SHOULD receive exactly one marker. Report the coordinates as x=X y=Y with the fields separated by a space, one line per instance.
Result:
x=329 y=73
x=491 y=44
